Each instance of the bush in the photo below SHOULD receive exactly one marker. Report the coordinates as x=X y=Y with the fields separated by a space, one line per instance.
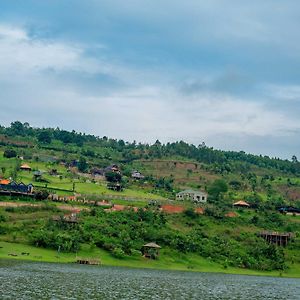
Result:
x=62 y=241
x=9 y=153
x=41 y=194
x=118 y=253
x=190 y=213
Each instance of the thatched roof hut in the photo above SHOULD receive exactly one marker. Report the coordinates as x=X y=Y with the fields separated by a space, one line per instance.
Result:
x=25 y=167
x=151 y=250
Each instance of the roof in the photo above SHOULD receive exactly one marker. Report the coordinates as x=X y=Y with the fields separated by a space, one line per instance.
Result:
x=38 y=173
x=241 y=203
x=190 y=191
x=4 y=181
x=231 y=214
x=199 y=210
x=25 y=166
x=152 y=245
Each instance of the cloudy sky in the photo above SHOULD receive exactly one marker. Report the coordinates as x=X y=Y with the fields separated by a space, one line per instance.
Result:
x=226 y=72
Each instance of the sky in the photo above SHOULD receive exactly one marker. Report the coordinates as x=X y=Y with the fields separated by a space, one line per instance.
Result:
x=222 y=72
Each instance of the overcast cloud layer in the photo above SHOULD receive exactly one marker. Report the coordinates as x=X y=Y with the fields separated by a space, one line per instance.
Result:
x=223 y=72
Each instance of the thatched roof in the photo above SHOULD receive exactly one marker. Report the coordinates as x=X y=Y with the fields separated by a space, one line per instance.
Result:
x=25 y=166
x=152 y=245
x=241 y=203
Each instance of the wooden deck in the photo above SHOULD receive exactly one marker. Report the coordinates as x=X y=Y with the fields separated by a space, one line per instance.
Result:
x=277 y=238
x=88 y=261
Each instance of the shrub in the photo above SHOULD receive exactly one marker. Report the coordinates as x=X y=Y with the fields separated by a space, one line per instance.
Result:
x=118 y=253
x=9 y=153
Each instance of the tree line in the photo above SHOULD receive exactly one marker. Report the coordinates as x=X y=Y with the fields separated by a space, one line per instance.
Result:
x=220 y=161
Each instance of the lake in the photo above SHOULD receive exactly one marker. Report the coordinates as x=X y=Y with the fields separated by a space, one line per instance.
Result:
x=31 y=280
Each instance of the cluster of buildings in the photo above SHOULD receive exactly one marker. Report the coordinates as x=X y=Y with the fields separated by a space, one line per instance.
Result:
x=97 y=172
x=7 y=186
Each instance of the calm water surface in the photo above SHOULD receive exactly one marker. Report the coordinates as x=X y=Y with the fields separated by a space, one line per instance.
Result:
x=22 y=280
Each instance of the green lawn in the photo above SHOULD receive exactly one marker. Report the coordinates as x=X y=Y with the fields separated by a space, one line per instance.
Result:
x=168 y=259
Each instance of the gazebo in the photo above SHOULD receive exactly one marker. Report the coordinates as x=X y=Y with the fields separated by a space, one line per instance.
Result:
x=151 y=250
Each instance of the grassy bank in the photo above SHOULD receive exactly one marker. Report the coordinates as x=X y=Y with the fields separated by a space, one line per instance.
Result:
x=169 y=260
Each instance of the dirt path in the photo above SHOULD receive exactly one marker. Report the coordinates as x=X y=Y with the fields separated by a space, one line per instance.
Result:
x=62 y=207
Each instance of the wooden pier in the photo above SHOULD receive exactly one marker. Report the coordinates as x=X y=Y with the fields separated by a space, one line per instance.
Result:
x=88 y=261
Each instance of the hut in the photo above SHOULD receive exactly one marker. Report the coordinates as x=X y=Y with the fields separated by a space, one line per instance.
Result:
x=25 y=167
x=277 y=238
x=37 y=175
x=151 y=250
x=137 y=175
x=71 y=219
x=241 y=203
x=115 y=186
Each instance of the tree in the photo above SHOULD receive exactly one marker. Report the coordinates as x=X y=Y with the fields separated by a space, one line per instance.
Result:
x=44 y=137
x=9 y=153
x=216 y=189
x=82 y=165
x=17 y=128
x=113 y=176
x=3 y=170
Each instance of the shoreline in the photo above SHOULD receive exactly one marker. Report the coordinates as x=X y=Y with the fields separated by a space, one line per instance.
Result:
x=41 y=255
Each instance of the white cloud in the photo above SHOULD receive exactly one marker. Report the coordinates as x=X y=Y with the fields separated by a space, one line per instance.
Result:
x=21 y=53
x=284 y=92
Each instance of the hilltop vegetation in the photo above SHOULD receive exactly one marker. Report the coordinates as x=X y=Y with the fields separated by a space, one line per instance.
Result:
x=63 y=163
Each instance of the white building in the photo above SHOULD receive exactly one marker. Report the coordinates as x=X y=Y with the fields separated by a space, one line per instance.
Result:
x=195 y=196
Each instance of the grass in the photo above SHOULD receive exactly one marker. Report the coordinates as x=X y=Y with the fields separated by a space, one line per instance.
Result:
x=66 y=183
x=169 y=259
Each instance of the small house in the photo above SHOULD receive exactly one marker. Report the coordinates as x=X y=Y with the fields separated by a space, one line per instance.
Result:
x=112 y=168
x=289 y=210
x=37 y=175
x=137 y=175
x=53 y=172
x=115 y=186
x=195 y=196
x=96 y=172
x=25 y=167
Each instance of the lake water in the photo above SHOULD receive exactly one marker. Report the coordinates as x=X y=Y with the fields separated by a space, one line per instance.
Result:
x=27 y=280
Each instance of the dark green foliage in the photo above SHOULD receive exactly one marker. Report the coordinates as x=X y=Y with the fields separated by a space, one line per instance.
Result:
x=9 y=153
x=82 y=164
x=113 y=176
x=216 y=189
x=41 y=194
x=190 y=213
x=164 y=183
x=45 y=137
x=60 y=241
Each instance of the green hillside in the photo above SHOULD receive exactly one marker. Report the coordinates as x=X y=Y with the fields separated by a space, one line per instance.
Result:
x=224 y=237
